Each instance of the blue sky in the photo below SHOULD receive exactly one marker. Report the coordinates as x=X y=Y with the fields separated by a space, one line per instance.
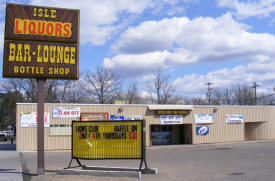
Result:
x=220 y=41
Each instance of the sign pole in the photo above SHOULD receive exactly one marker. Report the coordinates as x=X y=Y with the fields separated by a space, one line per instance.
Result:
x=40 y=127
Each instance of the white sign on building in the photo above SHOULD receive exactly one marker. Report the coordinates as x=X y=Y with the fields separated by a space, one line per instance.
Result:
x=204 y=118
x=234 y=118
x=29 y=119
x=66 y=112
x=171 y=119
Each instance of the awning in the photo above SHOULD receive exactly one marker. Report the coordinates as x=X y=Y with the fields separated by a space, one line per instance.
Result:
x=170 y=107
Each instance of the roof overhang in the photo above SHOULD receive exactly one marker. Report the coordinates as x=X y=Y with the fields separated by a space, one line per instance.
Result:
x=170 y=107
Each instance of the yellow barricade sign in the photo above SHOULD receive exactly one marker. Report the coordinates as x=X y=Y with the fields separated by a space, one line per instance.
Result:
x=107 y=139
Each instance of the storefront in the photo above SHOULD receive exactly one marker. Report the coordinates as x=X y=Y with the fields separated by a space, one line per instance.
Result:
x=165 y=124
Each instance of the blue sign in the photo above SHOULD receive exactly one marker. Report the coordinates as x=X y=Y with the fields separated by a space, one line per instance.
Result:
x=202 y=130
x=117 y=117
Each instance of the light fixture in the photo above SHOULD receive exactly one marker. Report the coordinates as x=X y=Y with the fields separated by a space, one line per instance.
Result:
x=120 y=109
x=215 y=110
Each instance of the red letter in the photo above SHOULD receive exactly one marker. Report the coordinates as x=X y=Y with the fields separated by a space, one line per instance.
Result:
x=58 y=29
x=67 y=28
x=17 y=31
x=41 y=27
x=50 y=28
x=32 y=27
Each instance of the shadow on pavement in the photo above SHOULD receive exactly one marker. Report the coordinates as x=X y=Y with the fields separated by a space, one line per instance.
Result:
x=7 y=146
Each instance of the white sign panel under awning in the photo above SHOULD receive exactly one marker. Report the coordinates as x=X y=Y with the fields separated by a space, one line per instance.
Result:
x=171 y=119
x=29 y=119
x=204 y=118
x=234 y=119
x=66 y=112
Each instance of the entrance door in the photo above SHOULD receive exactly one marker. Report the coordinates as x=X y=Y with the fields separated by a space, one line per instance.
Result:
x=252 y=131
x=186 y=134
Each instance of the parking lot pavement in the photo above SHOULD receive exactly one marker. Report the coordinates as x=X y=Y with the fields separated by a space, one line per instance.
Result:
x=250 y=161
x=10 y=167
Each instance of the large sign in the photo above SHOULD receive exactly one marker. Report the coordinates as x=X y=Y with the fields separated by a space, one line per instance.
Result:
x=41 y=42
x=29 y=119
x=107 y=139
x=234 y=118
x=66 y=112
x=171 y=112
x=204 y=118
x=171 y=119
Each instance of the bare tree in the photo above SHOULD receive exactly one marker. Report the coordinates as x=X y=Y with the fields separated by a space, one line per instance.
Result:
x=217 y=96
x=65 y=85
x=76 y=94
x=52 y=90
x=163 y=87
x=104 y=85
x=9 y=85
x=243 y=95
x=30 y=90
x=132 y=93
x=227 y=94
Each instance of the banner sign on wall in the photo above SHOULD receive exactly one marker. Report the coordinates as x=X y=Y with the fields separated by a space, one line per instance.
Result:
x=234 y=118
x=117 y=117
x=66 y=112
x=121 y=117
x=171 y=119
x=204 y=118
x=60 y=129
x=94 y=116
x=29 y=119
x=202 y=130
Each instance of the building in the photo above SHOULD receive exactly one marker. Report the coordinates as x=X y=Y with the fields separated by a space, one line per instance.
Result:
x=165 y=124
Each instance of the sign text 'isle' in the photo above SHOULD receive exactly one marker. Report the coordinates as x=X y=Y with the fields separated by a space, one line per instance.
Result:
x=41 y=42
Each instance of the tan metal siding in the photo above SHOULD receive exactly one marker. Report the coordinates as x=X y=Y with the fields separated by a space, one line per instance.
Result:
x=219 y=131
x=27 y=137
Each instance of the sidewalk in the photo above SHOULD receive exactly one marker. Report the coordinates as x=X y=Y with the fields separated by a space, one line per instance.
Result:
x=10 y=167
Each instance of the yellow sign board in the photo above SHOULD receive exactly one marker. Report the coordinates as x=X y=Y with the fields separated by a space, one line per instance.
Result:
x=107 y=139
x=171 y=112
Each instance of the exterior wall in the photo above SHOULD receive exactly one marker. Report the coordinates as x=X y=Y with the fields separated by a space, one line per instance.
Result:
x=219 y=132
x=27 y=137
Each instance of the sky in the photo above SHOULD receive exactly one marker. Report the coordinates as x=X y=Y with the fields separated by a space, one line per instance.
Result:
x=225 y=42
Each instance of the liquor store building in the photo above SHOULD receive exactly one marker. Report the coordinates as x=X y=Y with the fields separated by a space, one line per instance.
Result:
x=165 y=124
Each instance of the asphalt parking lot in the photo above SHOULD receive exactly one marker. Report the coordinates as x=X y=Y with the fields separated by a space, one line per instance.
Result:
x=250 y=161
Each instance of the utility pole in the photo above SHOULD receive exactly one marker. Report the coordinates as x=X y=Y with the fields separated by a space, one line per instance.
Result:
x=209 y=92
x=255 y=85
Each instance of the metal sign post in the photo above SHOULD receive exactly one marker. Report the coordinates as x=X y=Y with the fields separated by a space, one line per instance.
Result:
x=40 y=127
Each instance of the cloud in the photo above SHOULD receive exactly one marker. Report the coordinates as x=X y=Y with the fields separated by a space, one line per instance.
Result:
x=99 y=19
x=132 y=65
x=195 y=84
x=180 y=41
x=242 y=10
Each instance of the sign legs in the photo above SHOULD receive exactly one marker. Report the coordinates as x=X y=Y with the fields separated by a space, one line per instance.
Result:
x=40 y=127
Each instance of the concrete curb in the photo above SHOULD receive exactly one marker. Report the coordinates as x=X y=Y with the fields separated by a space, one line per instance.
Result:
x=99 y=173
x=143 y=171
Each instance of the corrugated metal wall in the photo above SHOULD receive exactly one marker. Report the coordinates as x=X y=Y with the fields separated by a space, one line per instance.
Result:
x=27 y=137
x=219 y=132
